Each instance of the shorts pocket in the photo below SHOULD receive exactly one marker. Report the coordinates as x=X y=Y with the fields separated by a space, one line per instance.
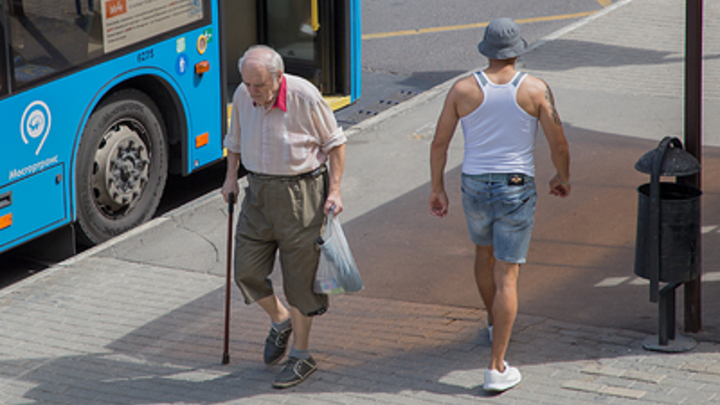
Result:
x=519 y=205
x=309 y=201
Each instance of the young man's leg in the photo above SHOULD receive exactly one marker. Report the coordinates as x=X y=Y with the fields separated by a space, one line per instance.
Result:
x=484 y=268
x=512 y=228
x=504 y=310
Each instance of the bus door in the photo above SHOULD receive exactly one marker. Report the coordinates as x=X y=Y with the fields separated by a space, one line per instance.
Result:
x=3 y=52
x=314 y=38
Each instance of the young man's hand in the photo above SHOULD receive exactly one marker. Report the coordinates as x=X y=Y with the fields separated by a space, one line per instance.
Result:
x=559 y=189
x=439 y=204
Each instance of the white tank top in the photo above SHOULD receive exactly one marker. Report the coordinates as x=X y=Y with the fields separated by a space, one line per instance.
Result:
x=499 y=134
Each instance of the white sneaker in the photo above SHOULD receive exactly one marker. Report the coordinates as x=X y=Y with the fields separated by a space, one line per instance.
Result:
x=497 y=381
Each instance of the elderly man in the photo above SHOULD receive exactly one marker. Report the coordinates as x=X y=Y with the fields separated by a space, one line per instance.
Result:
x=284 y=133
x=499 y=109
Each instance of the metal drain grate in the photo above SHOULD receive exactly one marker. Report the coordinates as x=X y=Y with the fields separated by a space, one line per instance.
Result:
x=378 y=107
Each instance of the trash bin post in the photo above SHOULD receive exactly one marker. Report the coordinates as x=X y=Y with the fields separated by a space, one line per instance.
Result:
x=653 y=242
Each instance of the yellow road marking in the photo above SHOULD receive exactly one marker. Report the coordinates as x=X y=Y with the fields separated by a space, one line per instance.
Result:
x=605 y=3
x=476 y=25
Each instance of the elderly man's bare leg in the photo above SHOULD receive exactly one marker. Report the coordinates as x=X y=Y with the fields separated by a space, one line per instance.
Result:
x=274 y=308
x=277 y=340
x=300 y=363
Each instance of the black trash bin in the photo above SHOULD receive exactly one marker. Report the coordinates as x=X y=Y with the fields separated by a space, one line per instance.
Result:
x=679 y=233
x=668 y=235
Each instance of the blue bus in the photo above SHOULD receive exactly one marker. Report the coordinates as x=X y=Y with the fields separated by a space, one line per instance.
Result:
x=101 y=99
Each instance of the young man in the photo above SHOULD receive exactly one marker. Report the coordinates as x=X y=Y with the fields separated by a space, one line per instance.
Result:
x=499 y=109
x=284 y=132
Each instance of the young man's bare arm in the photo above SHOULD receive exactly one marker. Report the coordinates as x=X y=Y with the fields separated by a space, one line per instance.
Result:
x=438 y=152
x=559 y=149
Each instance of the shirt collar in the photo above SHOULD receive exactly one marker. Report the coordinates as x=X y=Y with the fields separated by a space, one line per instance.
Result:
x=281 y=100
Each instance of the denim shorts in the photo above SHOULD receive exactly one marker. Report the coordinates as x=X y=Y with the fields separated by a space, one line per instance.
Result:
x=500 y=215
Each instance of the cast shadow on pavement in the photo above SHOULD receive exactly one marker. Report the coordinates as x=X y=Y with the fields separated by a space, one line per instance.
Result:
x=567 y=54
x=579 y=243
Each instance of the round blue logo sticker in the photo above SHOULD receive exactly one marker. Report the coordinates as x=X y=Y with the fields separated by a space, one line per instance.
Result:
x=35 y=124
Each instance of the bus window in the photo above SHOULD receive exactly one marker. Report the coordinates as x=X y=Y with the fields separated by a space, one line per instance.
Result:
x=45 y=39
x=3 y=50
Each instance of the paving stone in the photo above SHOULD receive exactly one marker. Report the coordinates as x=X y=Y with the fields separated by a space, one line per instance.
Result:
x=598 y=388
x=642 y=376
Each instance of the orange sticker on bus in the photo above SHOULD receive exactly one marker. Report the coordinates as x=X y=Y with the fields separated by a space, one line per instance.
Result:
x=6 y=221
x=114 y=8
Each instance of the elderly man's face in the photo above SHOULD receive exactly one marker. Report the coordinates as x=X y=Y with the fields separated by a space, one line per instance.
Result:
x=262 y=86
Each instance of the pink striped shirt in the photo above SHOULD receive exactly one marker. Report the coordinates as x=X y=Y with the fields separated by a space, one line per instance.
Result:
x=292 y=137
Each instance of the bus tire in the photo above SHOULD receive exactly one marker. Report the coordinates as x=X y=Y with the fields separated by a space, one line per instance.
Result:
x=121 y=166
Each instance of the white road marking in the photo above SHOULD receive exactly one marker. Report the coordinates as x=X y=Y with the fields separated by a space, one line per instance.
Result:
x=611 y=282
x=708 y=229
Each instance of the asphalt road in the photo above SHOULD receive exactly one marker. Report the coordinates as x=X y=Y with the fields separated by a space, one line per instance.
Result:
x=411 y=46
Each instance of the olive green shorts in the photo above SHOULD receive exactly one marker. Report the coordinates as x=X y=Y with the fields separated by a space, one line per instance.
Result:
x=285 y=214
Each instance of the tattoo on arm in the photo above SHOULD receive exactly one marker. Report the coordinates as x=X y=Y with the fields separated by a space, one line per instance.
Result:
x=551 y=100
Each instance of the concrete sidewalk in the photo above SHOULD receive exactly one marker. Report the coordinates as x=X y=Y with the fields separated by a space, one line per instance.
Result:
x=140 y=320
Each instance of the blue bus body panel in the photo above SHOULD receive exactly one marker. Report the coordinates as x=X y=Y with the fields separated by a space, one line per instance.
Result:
x=37 y=135
x=36 y=216
x=41 y=127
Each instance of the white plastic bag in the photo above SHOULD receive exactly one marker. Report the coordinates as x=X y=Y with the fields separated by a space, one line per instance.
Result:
x=337 y=272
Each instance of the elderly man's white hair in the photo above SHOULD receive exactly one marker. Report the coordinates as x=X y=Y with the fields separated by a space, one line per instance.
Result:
x=270 y=59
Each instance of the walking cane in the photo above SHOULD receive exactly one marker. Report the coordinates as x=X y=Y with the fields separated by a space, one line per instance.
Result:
x=226 y=349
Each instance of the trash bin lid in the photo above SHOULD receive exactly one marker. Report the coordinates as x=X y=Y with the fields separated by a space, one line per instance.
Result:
x=676 y=162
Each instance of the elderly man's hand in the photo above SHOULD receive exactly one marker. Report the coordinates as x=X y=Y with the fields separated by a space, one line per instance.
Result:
x=334 y=202
x=230 y=186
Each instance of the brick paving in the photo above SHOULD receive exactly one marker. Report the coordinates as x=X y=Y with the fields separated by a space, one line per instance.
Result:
x=102 y=330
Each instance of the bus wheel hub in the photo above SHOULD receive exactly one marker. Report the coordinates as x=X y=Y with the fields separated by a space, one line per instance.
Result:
x=122 y=165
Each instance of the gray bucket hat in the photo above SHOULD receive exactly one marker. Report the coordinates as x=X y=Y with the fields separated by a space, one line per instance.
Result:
x=502 y=40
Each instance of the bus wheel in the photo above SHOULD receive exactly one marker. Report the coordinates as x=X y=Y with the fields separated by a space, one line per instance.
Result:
x=121 y=166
